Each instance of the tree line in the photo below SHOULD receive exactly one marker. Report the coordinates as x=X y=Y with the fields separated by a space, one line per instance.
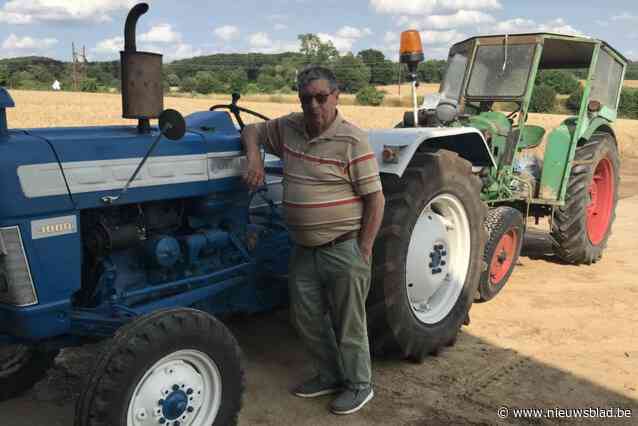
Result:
x=276 y=73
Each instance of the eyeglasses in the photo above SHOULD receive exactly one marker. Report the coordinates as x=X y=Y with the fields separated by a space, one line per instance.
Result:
x=321 y=98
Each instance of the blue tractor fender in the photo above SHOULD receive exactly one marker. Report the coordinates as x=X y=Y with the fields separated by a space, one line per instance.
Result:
x=468 y=142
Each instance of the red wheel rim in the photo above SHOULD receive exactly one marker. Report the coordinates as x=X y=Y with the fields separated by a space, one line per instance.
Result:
x=601 y=195
x=503 y=256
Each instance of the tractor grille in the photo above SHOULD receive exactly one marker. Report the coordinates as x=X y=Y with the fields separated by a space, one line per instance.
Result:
x=16 y=284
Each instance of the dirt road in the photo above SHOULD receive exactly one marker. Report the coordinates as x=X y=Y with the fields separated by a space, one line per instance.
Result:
x=557 y=336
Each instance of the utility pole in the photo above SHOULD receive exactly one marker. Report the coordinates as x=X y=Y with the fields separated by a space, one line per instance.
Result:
x=80 y=66
x=75 y=77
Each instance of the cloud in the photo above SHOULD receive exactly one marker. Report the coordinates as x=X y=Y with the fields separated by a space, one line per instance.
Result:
x=259 y=40
x=345 y=37
x=462 y=18
x=441 y=37
x=276 y=46
x=13 y=42
x=27 y=11
x=109 y=47
x=521 y=25
x=15 y=18
x=420 y=7
x=227 y=32
x=349 y=32
x=162 y=33
x=280 y=27
x=183 y=51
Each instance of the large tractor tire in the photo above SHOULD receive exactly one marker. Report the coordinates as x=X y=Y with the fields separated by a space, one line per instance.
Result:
x=427 y=257
x=173 y=368
x=582 y=226
x=21 y=367
x=505 y=229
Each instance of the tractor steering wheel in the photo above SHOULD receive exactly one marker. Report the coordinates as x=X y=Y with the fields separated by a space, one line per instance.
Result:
x=236 y=110
x=511 y=115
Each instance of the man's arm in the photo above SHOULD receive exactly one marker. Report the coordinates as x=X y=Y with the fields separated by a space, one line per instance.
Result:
x=373 y=207
x=254 y=175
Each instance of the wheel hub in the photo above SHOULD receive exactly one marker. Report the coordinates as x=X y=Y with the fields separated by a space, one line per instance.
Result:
x=503 y=255
x=175 y=405
x=438 y=258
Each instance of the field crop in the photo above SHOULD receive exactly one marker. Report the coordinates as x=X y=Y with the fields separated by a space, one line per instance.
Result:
x=57 y=109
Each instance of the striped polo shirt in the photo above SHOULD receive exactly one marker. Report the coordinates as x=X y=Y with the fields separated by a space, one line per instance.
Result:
x=324 y=177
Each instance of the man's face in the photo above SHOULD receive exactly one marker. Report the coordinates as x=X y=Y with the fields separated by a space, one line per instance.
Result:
x=319 y=104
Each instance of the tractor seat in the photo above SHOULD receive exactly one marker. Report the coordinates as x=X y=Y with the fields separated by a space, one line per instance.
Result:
x=532 y=136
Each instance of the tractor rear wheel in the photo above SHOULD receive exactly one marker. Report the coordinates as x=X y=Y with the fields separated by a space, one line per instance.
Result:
x=505 y=237
x=582 y=226
x=21 y=367
x=427 y=257
x=173 y=367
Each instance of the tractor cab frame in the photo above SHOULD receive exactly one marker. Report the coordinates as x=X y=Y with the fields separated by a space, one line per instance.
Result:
x=501 y=69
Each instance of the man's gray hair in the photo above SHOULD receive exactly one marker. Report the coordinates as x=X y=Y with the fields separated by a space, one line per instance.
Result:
x=315 y=72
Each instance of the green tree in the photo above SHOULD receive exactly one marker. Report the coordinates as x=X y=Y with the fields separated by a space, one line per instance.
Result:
x=431 y=71
x=543 y=99
x=381 y=70
x=369 y=95
x=352 y=74
x=235 y=80
x=4 y=75
x=206 y=82
x=315 y=51
x=628 y=105
x=562 y=82
x=188 y=84
x=89 y=85
x=173 y=80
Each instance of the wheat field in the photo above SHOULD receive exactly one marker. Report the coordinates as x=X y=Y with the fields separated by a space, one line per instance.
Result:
x=59 y=109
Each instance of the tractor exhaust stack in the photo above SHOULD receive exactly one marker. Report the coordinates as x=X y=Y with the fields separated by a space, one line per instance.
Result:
x=142 y=91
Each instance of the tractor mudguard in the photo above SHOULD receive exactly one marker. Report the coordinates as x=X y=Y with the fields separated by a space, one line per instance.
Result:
x=466 y=141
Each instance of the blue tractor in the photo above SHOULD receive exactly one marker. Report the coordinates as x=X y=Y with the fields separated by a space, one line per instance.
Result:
x=145 y=234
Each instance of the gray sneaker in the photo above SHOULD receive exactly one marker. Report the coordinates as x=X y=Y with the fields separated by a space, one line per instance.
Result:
x=316 y=387
x=351 y=400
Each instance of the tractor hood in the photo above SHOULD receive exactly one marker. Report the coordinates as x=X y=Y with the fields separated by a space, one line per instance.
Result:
x=466 y=141
x=98 y=161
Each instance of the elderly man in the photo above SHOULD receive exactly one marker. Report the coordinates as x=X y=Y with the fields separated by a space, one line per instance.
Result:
x=334 y=207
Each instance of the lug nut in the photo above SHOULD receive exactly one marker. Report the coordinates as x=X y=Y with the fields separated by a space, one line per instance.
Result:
x=162 y=421
x=189 y=391
x=175 y=387
x=190 y=409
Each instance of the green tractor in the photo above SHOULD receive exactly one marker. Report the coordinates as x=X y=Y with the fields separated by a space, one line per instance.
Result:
x=569 y=174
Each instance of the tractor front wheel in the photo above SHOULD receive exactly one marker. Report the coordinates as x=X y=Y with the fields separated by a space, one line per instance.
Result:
x=582 y=226
x=427 y=257
x=174 y=367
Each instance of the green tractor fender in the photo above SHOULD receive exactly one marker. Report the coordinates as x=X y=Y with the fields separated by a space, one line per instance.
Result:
x=559 y=154
x=395 y=148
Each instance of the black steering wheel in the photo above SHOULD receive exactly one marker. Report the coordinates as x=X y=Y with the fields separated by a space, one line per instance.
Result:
x=236 y=110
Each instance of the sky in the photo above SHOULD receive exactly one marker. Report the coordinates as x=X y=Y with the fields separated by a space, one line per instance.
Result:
x=187 y=28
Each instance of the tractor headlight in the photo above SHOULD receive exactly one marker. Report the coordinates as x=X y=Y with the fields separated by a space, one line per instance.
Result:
x=16 y=284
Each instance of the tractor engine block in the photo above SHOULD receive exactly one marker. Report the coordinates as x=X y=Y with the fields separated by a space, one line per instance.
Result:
x=134 y=246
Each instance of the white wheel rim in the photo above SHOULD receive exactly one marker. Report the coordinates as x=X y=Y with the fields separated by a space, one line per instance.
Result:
x=438 y=258
x=182 y=389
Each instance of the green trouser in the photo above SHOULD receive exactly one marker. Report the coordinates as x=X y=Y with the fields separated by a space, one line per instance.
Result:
x=328 y=290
